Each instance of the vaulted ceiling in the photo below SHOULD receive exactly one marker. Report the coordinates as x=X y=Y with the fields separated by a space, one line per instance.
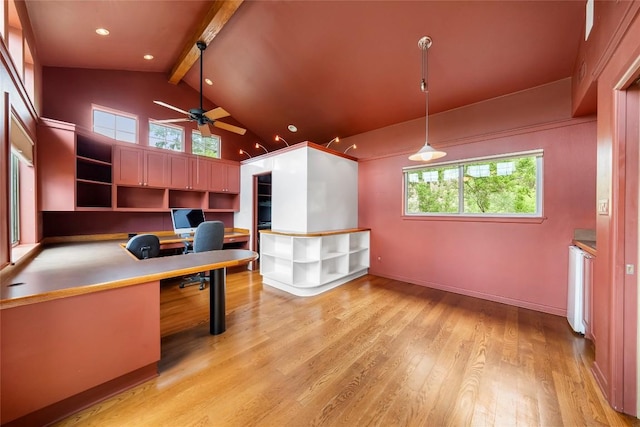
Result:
x=331 y=68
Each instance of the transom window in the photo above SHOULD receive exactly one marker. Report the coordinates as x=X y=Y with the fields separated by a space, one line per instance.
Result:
x=116 y=125
x=166 y=136
x=509 y=185
x=208 y=146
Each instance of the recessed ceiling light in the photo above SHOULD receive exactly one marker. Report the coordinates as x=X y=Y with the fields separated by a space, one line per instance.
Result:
x=102 y=31
x=148 y=57
x=292 y=128
x=208 y=81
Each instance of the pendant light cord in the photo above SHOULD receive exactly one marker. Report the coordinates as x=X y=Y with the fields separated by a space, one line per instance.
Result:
x=424 y=44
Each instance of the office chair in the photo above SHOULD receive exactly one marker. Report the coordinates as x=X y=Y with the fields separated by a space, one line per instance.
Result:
x=209 y=236
x=144 y=246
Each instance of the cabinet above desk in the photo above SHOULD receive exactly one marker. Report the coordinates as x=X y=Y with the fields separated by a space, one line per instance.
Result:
x=84 y=171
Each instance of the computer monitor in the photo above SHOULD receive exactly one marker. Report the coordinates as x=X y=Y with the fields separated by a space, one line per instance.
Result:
x=185 y=221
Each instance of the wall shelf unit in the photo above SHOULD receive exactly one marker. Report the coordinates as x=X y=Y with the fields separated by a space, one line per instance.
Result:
x=306 y=265
x=85 y=171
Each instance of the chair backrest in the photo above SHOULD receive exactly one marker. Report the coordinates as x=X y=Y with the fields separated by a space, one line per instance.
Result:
x=144 y=246
x=209 y=236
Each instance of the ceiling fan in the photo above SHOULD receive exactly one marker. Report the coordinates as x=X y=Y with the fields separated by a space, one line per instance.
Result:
x=203 y=118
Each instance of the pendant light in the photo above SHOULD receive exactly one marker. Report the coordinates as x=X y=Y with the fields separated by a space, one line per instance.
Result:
x=427 y=152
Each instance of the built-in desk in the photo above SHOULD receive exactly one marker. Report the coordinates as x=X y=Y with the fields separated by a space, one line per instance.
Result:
x=81 y=321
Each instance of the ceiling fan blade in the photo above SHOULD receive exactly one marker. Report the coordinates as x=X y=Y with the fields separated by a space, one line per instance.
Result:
x=204 y=129
x=230 y=128
x=164 y=104
x=170 y=120
x=217 y=113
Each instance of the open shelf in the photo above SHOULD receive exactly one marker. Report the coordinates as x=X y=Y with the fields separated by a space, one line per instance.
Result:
x=91 y=171
x=186 y=199
x=93 y=195
x=225 y=201
x=308 y=265
x=141 y=198
x=90 y=149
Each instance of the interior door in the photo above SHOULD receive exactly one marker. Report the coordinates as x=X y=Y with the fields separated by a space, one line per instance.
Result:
x=631 y=213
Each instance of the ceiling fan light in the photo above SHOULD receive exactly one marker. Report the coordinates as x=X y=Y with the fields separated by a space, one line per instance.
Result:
x=427 y=153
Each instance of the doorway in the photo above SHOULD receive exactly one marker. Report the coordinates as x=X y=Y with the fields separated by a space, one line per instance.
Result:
x=629 y=241
x=261 y=208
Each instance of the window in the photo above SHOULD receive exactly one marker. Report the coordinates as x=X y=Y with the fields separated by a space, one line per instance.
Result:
x=167 y=137
x=14 y=199
x=119 y=126
x=205 y=145
x=509 y=185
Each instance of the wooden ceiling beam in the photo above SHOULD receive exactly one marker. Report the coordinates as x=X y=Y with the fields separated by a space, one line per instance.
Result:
x=215 y=19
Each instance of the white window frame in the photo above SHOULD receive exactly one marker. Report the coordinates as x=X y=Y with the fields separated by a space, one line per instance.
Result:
x=116 y=131
x=14 y=198
x=460 y=164
x=218 y=137
x=180 y=129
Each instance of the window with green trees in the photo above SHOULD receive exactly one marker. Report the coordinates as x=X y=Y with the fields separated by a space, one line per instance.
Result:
x=167 y=137
x=498 y=186
x=205 y=145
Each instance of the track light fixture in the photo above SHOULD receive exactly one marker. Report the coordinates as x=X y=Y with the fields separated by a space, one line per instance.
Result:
x=258 y=145
x=279 y=138
x=244 y=152
x=427 y=152
x=336 y=139
x=349 y=147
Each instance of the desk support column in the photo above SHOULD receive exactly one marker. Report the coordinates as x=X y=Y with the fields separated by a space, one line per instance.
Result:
x=217 y=285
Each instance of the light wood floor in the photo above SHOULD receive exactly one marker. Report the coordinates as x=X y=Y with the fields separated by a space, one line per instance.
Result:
x=371 y=352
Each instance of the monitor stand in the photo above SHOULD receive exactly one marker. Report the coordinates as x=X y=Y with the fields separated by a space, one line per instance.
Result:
x=186 y=235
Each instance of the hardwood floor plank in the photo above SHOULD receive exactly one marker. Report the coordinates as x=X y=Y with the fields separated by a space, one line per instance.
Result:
x=374 y=351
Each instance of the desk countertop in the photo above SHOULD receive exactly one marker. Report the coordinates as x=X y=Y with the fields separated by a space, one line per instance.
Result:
x=73 y=268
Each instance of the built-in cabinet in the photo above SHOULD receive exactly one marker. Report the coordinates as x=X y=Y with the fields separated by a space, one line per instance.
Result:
x=307 y=265
x=225 y=178
x=141 y=167
x=86 y=171
x=93 y=174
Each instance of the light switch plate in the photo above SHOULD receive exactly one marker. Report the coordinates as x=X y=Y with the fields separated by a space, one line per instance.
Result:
x=603 y=207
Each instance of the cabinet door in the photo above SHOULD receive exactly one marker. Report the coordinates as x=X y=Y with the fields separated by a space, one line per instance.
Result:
x=128 y=165
x=179 y=172
x=217 y=177
x=233 y=179
x=199 y=171
x=156 y=169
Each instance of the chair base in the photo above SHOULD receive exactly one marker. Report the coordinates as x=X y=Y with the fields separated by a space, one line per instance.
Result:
x=202 y=280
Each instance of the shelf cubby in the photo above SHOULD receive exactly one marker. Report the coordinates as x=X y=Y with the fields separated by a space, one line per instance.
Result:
x=186 y=199
x=141 y=198
x=223 y=201
x=309 y=265
x=89 y=170
x=93 y=194
x=89 y=149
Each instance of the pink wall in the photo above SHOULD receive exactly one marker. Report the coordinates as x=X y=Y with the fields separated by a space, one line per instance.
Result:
x=76 y=223
x=520 y=263
x=611 y=20
x=70 y=92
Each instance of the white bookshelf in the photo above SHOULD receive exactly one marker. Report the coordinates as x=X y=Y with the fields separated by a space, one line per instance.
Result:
x=306 y=265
